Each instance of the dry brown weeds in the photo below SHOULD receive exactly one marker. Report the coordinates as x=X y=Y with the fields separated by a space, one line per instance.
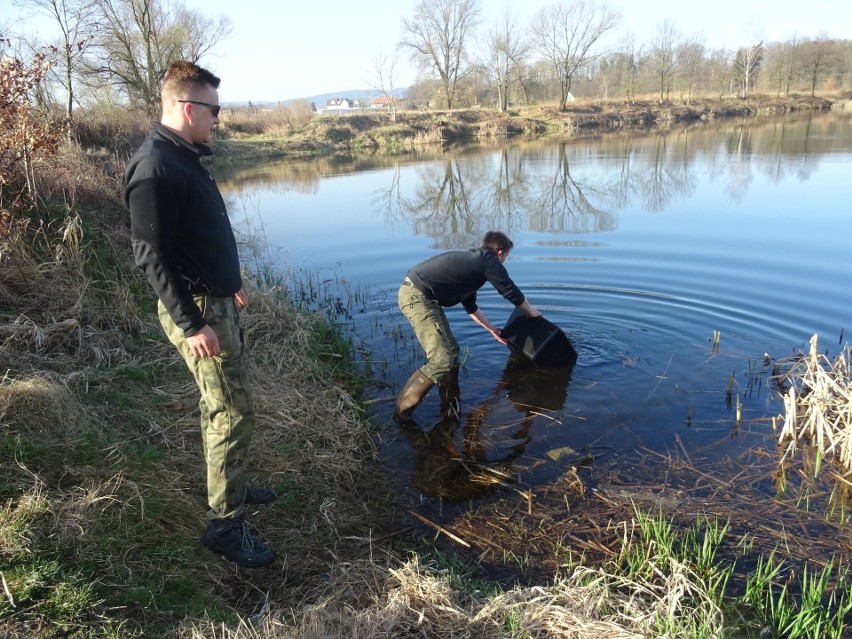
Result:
x=99 y=419
x=818 y=404
x=391 y=597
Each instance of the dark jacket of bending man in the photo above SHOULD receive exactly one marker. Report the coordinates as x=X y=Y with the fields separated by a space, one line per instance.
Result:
x=183 y=242
x=446 y=280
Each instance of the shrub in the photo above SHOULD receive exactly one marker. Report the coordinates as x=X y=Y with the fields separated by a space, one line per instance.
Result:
x=28 y=136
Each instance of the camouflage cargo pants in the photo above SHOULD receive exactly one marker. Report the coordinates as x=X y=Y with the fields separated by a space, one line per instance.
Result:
x=227 y=415
x=432 y=329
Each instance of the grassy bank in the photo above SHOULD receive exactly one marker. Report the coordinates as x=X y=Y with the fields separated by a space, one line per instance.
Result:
x=101 y=482
x=241 y=136
x=101 y=472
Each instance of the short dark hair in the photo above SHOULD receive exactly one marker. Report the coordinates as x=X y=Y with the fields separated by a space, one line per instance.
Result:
x=183 y=77
x=495 y=241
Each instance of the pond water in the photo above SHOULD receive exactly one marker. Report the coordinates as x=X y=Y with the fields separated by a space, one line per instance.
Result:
x=681 y=264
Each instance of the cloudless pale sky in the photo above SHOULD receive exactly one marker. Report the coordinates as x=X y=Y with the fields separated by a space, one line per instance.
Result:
x=285 y=49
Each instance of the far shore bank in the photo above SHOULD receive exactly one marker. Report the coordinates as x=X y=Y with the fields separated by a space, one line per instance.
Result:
x=378 y=131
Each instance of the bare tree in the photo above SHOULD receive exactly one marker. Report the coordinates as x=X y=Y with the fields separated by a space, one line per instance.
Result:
x=780 y=64
x=690 y=56
x=74 y=19
x=843 y=58
x=384 y=76
x=662 y=55
x=746 y=64
x=814 y=59
x=437 y=36
x=627 y=60
x=718 y=75
x=566 y=35
x=138 y=39
x=533 y=80
x=505 y=50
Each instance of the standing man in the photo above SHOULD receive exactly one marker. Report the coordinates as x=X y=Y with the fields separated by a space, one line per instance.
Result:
x=183 y=242
x=442 y=281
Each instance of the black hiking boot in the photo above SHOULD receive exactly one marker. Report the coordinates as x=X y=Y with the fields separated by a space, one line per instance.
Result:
x=259 y=495
x=234 y=539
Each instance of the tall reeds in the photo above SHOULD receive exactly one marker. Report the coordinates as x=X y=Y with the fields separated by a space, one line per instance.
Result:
x=818 y=405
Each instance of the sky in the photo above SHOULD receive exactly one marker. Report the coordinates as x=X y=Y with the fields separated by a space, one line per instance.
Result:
x=288 y=49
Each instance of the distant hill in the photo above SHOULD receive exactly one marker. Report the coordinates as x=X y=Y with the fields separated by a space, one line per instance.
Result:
x=321 y=100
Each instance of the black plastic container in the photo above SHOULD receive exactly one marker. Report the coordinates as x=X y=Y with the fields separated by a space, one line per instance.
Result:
x=537 y=340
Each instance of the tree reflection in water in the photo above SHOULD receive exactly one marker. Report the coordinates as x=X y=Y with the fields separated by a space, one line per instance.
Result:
x=466 y=454
x=535 y=185
x=454 y=199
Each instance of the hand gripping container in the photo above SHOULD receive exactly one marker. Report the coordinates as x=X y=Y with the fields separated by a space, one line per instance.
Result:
x=537 y=340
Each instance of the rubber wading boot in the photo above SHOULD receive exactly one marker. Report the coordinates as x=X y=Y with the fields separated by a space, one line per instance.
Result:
x=234 y=539
x=411 y=394
x=449 y=393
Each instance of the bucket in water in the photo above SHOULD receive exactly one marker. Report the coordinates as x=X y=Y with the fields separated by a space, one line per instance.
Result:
x=538 y=340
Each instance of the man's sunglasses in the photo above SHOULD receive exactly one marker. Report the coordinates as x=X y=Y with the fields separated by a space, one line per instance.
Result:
x=214 y=108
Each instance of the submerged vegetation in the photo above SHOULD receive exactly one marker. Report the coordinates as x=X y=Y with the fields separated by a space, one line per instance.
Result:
x=101 y=499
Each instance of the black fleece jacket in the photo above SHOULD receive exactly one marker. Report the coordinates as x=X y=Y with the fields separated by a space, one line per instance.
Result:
x=182 y=237
x=456 y=276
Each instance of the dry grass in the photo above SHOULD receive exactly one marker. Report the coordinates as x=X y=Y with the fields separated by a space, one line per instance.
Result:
x=818 y=405
x=101 y=467
x=113 y=456
x=274 y=121
x=59 y=305
x=390 y=597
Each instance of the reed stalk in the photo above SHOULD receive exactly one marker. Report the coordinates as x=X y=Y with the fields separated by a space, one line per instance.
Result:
x=818 y=405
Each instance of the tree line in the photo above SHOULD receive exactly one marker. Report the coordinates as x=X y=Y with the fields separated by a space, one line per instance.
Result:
x=116 y=52
x=574 y=46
